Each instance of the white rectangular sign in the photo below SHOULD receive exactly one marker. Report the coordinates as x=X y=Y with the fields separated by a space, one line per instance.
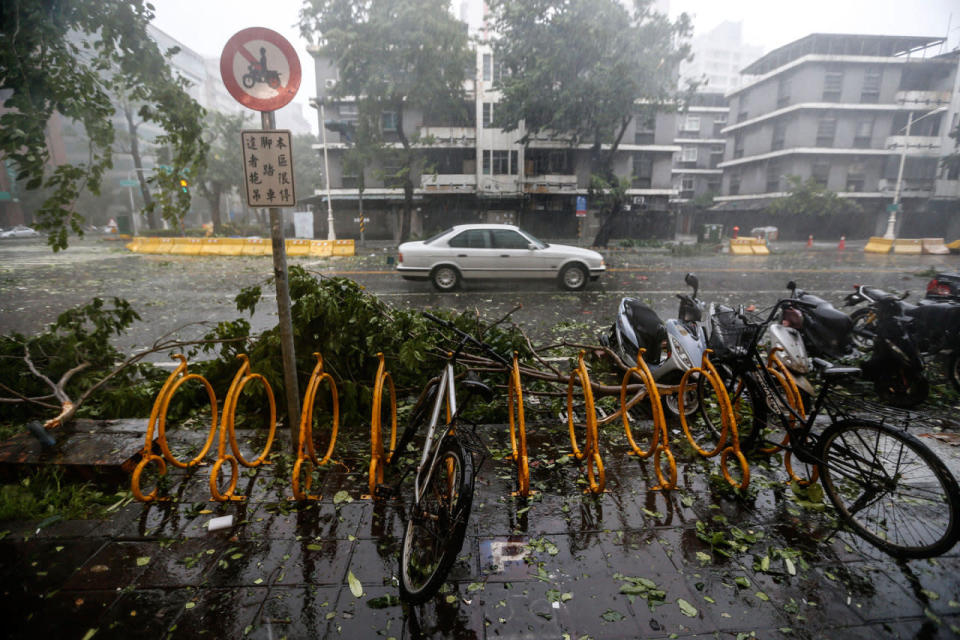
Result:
x=268 y=168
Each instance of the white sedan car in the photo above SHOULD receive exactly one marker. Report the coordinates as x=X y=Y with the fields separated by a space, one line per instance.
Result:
x=495 y=251
x=19 y=231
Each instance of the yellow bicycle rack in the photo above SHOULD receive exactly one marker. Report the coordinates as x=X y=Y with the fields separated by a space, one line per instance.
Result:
x=518 y=429
x=306 y=449
x=158 y=421
x=228 y=430
x=728 y=422
x=659 y=440
x=379 y=456
x=590 y=452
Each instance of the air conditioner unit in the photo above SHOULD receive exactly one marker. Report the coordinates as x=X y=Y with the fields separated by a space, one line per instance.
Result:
x=330 y=83
x=639 y=200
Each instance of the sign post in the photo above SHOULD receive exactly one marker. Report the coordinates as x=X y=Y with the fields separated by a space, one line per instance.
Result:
x=262 y=71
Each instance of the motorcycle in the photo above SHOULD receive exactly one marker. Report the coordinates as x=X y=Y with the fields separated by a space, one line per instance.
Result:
x=827 y=332
x=895 y=366
x=672 y=346
x=935 y=328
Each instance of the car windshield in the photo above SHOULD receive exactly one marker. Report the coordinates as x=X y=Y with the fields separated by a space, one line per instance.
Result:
x=431 y=239
x=540 y=244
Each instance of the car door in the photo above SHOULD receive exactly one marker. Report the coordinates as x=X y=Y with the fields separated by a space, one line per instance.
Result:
x=469 y=250
x=513 y=256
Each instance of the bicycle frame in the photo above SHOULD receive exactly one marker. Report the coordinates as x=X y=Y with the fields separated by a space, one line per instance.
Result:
x=447 y=390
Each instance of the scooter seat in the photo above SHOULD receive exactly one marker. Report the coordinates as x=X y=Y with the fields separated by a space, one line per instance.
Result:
x=840 y=372
x=836 y=321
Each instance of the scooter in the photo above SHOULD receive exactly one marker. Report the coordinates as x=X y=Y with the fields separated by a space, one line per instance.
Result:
x=786 y=338
x=672 y=346
x=827 y=332
x=895 y=366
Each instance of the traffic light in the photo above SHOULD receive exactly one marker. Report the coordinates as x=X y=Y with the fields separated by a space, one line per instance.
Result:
x=184 y=185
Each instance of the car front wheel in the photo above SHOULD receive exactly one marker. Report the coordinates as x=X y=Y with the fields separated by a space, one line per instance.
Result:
x=573 y=277
x=445 y=278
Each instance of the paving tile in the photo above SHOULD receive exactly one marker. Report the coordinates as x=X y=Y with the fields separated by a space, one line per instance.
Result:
x=296 y=612
x=219 y=613
x=114 y=566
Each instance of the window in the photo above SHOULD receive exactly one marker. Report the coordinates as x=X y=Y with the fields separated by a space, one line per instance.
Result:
x=349 y=111
x=864 y=134
x=686 y=183
x=388 y=121
x=514 y=161
x=719 y=122
x=871 y=86
x=820 y=172
x=832 y=86
x=501 y=163
x=642 y=170
x=735 y=181
x=471 y=239
x=507 y=239
x=826 y=130
x=487 y=67
x=691 y=123
x=645 y=131
x=855 y=178
x=688 y=154
x=783 y=92
x=779 y=134
x=713 y=185
x=738 y=145
x=486 y=162
x=487 y=113
x=743 y=113
x=774 y=171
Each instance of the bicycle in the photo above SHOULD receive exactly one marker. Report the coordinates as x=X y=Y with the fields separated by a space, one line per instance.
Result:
x=885 y=484
x=444 y=478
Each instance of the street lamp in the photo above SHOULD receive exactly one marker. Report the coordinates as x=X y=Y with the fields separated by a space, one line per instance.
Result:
x=318 y=104
x=892 y=220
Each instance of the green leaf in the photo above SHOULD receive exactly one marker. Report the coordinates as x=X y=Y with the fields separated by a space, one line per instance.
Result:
x=765 y=563
x=90 y=633
x=143 y=561
x=341 y=497
x=763 y=596
x=791 y=569
x=742 y=581
x=355 y=587
x=686 y=608
x=314 y=547
x=704 y=558
x=612 y=616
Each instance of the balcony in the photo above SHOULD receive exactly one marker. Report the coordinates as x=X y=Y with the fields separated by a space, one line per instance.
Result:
x=922 y=99
x=921 y=146
x=550 y=183
x=449 y=182
x=451 y=136
x=909 y=187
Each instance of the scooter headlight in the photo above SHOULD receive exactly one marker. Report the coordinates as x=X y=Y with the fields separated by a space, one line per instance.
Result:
x=677 y=349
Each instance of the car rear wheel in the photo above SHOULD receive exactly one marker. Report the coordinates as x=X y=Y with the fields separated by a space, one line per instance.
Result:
x=445 y=278
x=573 y=277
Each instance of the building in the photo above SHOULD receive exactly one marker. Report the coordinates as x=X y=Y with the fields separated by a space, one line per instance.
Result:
x=718 y=57
x=477 y=172
x=843 y=110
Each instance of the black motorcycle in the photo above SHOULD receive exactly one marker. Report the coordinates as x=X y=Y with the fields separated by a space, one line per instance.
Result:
x=827 y=332
x=895 y=366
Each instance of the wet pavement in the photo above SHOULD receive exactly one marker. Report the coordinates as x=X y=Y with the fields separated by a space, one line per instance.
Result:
x=698 y=561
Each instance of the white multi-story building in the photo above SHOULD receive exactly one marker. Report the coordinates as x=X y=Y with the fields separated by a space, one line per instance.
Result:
x=719 y=55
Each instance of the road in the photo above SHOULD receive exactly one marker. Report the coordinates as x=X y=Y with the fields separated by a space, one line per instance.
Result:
x=170 y=292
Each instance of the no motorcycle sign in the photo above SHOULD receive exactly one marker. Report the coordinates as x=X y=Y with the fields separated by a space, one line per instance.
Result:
x=260 y=69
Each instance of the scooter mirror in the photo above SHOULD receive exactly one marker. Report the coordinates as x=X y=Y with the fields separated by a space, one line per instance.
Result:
x=692 y=281
x=792 y=285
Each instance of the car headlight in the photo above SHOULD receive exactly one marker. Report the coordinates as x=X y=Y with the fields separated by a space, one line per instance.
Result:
x=677 y=349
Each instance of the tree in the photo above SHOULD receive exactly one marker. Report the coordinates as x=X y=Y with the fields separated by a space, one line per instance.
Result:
x=224 y=165
x=72 y=57
x=396 y=56
x=808 y=197
x=579 y=70
x=951 y=163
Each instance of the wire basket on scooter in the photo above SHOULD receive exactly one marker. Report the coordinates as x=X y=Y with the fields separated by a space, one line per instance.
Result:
x=732 y=337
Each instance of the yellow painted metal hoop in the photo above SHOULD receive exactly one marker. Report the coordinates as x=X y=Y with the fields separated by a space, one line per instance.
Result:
x=234 y=476
x=787 y=463
x=162 y=421
x=231 y=430
x=744 y=468
x=669 y=481
x=138 y=471
x=302 y=492
x=580 y=374
x=518 y=429
x=725 y=414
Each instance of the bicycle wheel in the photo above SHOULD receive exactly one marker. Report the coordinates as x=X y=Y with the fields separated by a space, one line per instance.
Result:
x=890 y=488
x=437 y=525
x=749 y=410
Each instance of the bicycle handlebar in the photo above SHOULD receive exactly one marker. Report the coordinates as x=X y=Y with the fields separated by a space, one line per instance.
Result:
x=466 y=337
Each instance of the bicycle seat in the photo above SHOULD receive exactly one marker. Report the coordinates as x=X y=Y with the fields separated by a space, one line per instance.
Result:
x=473 y=385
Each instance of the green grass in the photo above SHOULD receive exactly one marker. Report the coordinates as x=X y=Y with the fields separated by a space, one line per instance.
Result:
x=46 y=493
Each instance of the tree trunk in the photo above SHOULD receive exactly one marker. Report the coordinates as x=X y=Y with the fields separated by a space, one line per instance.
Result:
x=603 y=165
x=138 y=167
x=407 y=210
x=214 y=200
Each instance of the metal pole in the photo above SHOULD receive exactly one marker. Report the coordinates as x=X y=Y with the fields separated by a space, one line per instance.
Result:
x=331 y=234
x=133 y=209
x=892 y=220
x=283 y=310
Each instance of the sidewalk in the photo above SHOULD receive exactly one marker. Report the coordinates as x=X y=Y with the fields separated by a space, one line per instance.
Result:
x=631 y=563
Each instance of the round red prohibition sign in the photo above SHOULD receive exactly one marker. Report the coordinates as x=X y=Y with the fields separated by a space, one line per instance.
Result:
x=260 y=69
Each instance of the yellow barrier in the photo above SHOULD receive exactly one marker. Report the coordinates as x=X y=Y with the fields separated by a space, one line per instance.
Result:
x=590 y=452
x=748 y=247
x=306 y=452
x=298 y=248
x=659 y=439
x=257 y=247
x=908 y=246
x=187 y=246
x=934 y=246
x=158 y=421
x=321 y=248
x=877 y=244
x=343 y=248
x=954 y=246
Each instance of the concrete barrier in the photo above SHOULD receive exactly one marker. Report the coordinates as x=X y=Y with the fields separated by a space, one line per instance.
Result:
x=296 y=248
x=321 y=248
x=343 y=248
x=908 y=246
x=187 y=246
x=934 y=246
x=877 y=244
x=749 y=247
x=257 y=247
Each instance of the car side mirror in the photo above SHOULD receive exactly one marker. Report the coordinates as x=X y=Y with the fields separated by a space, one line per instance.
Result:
x=531 y=246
